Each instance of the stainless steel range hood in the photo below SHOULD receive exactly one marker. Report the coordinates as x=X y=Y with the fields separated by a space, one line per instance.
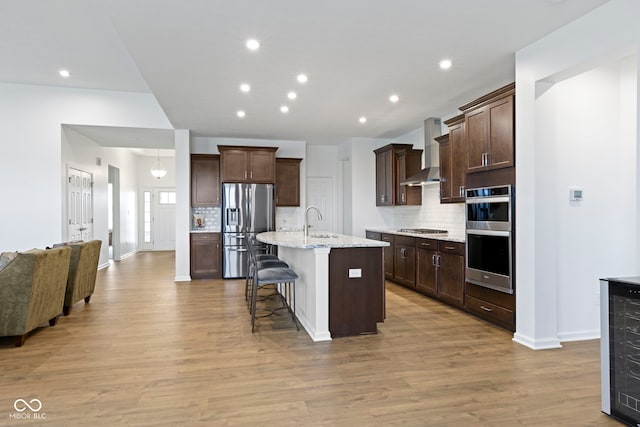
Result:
x=431 y=173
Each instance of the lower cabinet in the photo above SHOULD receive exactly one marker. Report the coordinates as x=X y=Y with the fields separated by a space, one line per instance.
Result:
x=440 y=270
x=206 y=256
x=388 y=255
x=493 y=306
x=404 y=260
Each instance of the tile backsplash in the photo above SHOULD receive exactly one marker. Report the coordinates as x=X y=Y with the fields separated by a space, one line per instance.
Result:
x=205 y=218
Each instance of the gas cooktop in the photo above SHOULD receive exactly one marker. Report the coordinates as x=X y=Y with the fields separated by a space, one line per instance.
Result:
x=422 y=231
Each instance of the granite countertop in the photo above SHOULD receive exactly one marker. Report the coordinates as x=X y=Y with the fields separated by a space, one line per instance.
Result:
x=202 y=230
x=450 y=237
x=296 y=239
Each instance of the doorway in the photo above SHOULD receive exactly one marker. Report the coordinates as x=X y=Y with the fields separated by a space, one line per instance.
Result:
x=158 y=231
x=113 y=206
x=80 y=205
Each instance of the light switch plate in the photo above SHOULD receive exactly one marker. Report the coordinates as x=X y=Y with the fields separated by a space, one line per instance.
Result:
x=355 y=273
x=575 y=194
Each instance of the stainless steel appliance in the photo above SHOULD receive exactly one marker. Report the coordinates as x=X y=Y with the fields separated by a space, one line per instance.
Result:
x=620 y=348
x=247 y=209
x=489 y=215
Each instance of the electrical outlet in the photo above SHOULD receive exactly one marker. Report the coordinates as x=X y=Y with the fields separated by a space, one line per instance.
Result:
x=355 y=273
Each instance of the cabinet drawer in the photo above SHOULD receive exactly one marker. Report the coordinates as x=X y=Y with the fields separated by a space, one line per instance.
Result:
x=199 y=237
x=490 y=312
x=451 y=247
x=405 y=241
x=427 y=244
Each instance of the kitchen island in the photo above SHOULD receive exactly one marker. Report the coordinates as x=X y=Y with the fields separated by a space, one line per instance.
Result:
x=340 y=288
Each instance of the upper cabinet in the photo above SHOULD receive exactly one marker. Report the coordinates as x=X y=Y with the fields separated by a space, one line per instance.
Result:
x=394 y=163
x=248 y=164
x=205 y=180
x=288 y=182
x=489 y=130
x=453 y=158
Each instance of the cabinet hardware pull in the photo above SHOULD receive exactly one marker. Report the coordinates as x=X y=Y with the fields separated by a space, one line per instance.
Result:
x=245 y=174
x=433 y=260
x=251 y=174
x=438 y=259
x=487 y=309
x=449 y=248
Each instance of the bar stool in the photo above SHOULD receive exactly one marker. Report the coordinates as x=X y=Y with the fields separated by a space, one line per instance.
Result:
x=282 y=277
x=260 y=261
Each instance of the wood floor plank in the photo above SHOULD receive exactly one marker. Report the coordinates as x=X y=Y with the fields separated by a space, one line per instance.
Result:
x=148 y=351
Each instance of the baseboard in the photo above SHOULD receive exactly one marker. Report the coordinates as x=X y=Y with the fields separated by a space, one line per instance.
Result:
x=579 y=336
x=536 y=344
x=182 y=279
x=127 y=255
x=103 y=266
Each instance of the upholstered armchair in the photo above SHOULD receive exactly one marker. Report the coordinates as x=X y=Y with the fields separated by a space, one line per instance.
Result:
x=83 y=269
x=32 y=286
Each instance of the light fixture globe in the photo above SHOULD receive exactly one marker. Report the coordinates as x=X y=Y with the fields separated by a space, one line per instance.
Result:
x=158 y=171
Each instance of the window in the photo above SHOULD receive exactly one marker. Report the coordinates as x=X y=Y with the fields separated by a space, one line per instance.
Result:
x=147 y=216
x=167 y=197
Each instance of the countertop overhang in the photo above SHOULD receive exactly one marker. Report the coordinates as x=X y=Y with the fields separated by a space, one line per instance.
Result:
x=296 y=239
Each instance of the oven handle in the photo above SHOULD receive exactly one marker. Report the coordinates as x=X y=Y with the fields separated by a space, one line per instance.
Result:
x=488 y=232
x=478 y=200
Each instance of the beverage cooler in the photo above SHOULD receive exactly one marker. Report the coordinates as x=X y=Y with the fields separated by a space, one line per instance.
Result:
x=620 y=348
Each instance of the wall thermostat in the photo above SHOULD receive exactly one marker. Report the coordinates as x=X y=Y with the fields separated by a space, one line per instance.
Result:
x=575 y=194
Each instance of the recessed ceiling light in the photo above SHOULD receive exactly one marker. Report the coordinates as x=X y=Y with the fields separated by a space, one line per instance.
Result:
x=362 y=119
x=445 y=64
x=302 y=78
x=252 y=44
x=394 y=98
x=284 y=109
x=245 y=87
x=292 y=95
x=64 y=73
x=240 y=113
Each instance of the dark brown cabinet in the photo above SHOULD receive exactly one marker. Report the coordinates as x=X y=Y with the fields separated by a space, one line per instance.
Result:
x=288 y=182
x=404 y=260
x=205 y=180
x=248 y=164
x=440 y=270
x=395 y=163
x=489 y=130
x=494 y=306
x=206 y=256
x=388 y=255
x=453 y=157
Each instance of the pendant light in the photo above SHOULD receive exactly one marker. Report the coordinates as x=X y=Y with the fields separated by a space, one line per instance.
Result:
x=158 y=171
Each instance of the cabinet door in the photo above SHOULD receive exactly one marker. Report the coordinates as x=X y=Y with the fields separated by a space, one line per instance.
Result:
x=451 y=278
x=205 y=255
x=234 y=165
x=205 y=180
x=404 y=265
x=445 y=170
x=477 y=135
x=384 y=179
x=458 y=162
x=388 y=256
x=401 y=172
x=288 y=182
x=501 y=136
x=426 y=271
x=262 y=166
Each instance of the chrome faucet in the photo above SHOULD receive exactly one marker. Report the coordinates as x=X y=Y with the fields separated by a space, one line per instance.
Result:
x=306 y=221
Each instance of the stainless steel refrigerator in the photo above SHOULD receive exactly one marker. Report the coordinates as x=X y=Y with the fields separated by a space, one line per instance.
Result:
x=246 y=208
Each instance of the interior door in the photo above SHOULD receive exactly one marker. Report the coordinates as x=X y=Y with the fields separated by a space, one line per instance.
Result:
x=320 y=195
x=79 y=205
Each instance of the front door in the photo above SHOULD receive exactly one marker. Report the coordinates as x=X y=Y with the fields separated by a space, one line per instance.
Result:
x=79 y=205
x=164 y=220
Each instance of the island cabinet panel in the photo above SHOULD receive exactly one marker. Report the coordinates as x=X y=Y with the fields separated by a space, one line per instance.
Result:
x=248 y=164
x=356 y=304
x=206 y=256
x=205 y=180
x=404 y=261
x=288 y=182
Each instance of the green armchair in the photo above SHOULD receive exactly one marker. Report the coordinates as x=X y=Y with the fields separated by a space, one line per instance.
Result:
x=83 y=269
x=32 y=286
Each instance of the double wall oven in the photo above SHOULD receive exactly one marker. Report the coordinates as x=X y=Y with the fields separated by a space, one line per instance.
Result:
x=489 y=216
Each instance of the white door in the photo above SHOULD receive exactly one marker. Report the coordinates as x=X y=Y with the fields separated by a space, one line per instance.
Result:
x=164 y=220
x=320 y=195
x=80 y=205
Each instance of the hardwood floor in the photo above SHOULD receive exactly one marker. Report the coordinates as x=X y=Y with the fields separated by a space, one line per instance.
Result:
x=149 y=352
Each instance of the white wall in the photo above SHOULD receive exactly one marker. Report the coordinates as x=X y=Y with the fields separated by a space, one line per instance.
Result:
x=30 y=131
x=550 y=259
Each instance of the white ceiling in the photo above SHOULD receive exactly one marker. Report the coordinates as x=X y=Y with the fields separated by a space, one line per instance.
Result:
x=190 y=54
